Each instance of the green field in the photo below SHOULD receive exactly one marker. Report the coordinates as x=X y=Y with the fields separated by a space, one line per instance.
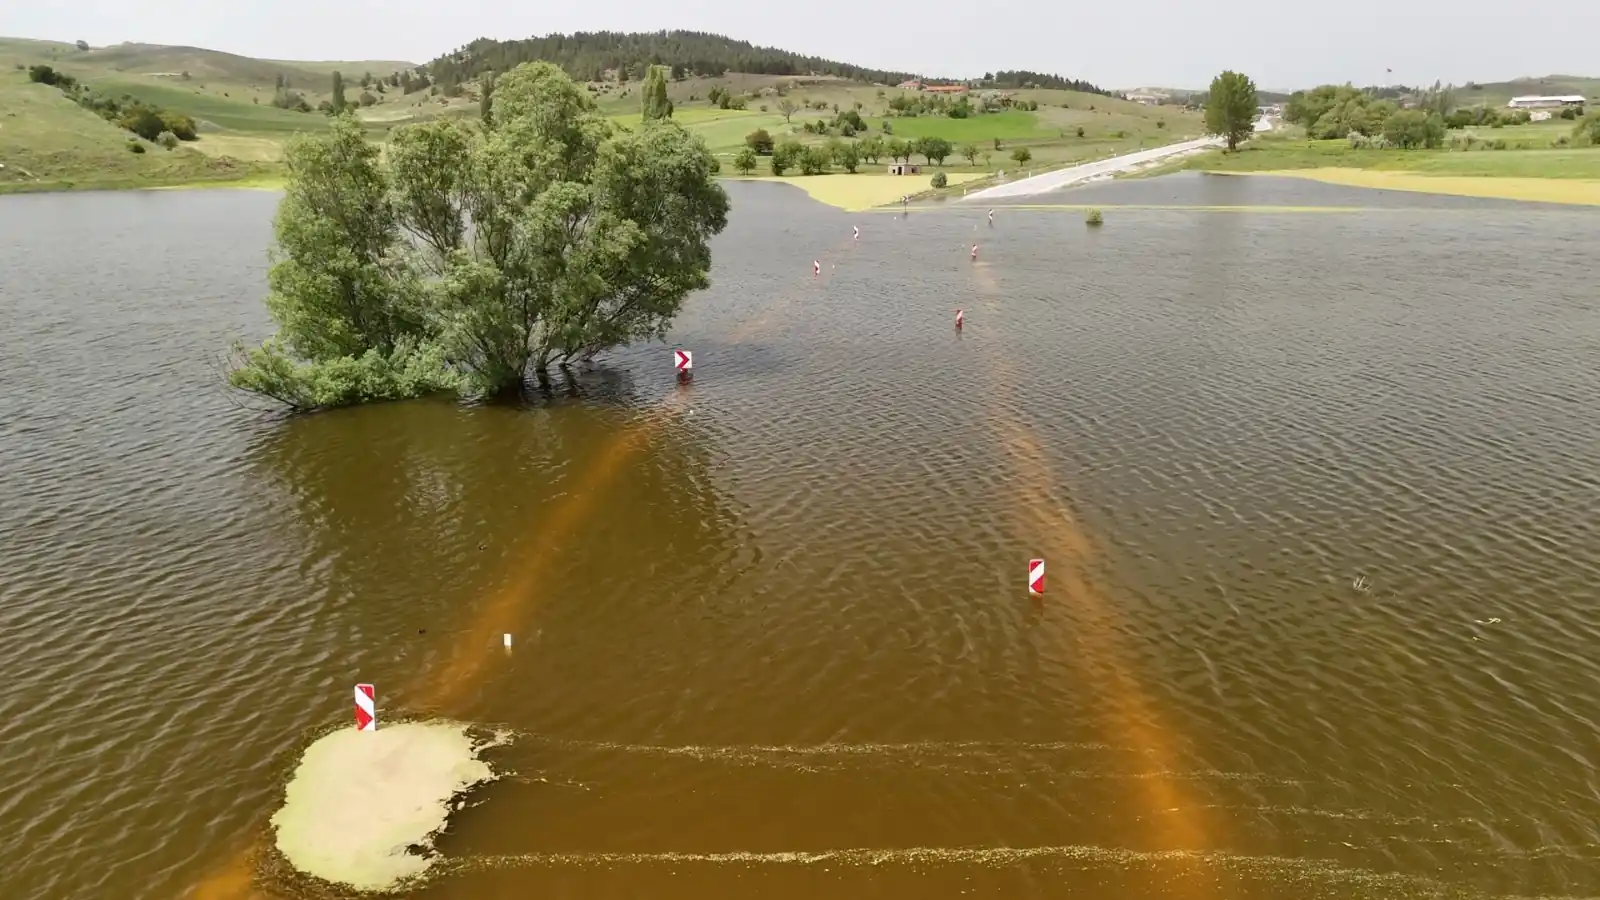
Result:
x=723 y=130
x=1534 y=136
x=1008 y=125
x=211 y=111
x=1050 y=133
x=1547 y=162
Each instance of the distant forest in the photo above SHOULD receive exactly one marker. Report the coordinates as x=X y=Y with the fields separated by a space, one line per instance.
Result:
x=590 y=55
x=1024 y=79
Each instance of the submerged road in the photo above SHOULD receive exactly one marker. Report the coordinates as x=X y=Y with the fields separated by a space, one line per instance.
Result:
x=1060 y=178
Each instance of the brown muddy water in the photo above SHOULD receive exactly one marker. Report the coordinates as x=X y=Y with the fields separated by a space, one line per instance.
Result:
x=1317 y=495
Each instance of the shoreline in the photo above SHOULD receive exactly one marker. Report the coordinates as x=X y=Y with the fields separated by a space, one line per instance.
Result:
x=866 y=191
x=256 y=181
x=1561 y=191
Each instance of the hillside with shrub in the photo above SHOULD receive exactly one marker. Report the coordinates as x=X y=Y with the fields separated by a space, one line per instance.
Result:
x=598 y=56
x=73 y=115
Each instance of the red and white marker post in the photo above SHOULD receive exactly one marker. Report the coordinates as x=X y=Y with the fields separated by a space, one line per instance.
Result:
x=1036 y=577
x=366 y=708
x=974 y=251
x=816 y=267
x=961 y=319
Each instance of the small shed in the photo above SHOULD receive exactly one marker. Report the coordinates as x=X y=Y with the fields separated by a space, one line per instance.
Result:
x=905 y=169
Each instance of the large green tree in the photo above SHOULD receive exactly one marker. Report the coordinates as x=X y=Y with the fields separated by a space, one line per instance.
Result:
x=465 y=258
x=936 y=149
x=338 y=101
x=653 y=96
x=1232 y=108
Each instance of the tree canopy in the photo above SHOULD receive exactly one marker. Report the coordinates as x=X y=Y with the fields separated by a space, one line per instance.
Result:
x=1338 y=110
x=1410 y=129
x=1232 y=108
x=588 y=55
x=1343 y=111
x=467 y=256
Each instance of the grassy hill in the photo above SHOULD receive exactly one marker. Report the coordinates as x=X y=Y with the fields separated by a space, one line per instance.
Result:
x=1499 y=92
x=1110 y=125
x=241 y=133
x=47 y=142
x=598 y=56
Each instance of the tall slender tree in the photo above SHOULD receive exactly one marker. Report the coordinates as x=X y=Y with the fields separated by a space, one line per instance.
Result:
x=653 y=96
x=338 y=93
x=1232 y=108
x=486 y=92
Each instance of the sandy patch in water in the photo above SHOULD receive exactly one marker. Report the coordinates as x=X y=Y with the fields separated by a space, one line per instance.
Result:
x=1538 y=190
x=360 y=804
x=854 y=193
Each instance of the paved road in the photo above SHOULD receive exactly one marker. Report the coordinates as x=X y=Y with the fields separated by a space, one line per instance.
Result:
x=1061 y=178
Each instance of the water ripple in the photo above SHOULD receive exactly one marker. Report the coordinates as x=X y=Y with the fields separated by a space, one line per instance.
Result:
x=1338 y=471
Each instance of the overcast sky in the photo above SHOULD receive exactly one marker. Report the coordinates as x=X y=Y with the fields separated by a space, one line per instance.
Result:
x=1171 y=43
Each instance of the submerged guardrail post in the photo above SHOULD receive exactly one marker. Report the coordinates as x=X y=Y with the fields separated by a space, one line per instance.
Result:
x=366 y=708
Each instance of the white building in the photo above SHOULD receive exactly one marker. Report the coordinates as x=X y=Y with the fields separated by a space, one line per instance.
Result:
x=1545 y=102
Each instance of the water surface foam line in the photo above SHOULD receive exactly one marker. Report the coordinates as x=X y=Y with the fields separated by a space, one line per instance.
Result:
x=1293 y=871
x=934 y=756
x=1047 y=518
x=958 y=749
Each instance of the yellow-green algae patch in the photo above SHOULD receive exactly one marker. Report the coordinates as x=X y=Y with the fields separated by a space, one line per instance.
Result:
x=854 y=193
x=251 y=183
x=1575 y=191
x=362 y=808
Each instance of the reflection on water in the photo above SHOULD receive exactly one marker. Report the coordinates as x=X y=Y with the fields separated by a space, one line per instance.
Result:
x=1316 y=491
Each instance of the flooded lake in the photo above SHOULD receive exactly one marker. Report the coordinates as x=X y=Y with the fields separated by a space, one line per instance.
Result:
x=1316 y=492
